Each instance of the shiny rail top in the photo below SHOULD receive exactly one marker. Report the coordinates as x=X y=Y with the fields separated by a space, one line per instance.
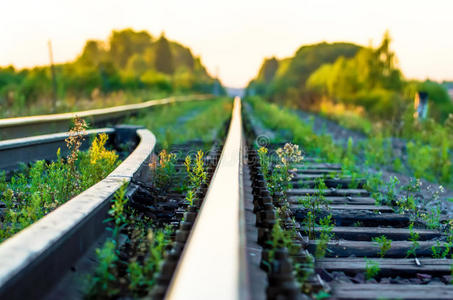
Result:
x=210 y=266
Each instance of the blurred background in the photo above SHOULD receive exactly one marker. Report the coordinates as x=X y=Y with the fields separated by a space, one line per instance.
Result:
x=367 y=58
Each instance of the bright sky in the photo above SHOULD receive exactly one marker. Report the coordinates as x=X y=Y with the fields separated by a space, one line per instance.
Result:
x=233 y=36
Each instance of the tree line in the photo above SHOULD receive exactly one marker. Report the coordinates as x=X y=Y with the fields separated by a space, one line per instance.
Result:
x=357 y=76
x=128 y=61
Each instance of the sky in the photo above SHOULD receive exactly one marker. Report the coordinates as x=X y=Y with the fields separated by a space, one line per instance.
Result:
x=232 y=37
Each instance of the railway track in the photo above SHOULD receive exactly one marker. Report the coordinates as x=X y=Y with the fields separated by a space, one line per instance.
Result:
x=325 y=236
x=63 y=242
x=369 y=251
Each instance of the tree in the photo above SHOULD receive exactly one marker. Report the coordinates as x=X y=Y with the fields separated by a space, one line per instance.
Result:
x=92 y=53
x=164 y=57
x=125 y=43
x=268 y=70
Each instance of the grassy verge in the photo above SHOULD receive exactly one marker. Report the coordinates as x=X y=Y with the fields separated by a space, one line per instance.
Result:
x=34 y=192
x=428 y=144
x=179 y=122
x=427 y=153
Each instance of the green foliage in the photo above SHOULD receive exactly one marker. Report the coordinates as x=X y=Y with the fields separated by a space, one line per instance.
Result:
x=282 y=173
x=279 y=119
x=411 y=190
x=377 y=151
x=164 y=58
x=432 y=217
x=390 y=193
x=103 y=283
x=364 y=90
x=186 y=120
x=130 y=61
x=34 y=192
x=163 y=170
x=196 y=172
x=430 y=161
x=292 y=73
x=370 y=80
x=349 y=159
x=372 y=268
x=321 y=295
x=442 y=251
x=313 y=205
x=414 y=236
x=268 y=70
x=119 y=202
x=384 y=244
x=264 y=162
x=325 y=236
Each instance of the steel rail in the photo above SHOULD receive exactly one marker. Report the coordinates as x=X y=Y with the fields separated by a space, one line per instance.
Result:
x=35 y=125
x=42 y=147
x=33 y=260
x=212 y=263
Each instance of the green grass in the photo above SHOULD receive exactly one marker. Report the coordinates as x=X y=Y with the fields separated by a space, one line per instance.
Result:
x=180 y=122
x=37 y=190
x=280 y=119
x=429 y=144
x=148 y=239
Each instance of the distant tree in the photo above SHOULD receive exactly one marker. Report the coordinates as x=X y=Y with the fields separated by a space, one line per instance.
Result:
x=125 y=43
x=182 y=56
x=268 y=70
x=92 y=53
x=164 y=57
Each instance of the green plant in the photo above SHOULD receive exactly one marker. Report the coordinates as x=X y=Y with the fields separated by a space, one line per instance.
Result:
x=357 y=224
x=372 y=268
x=264 y=162
x=440 y=251
x=136 y=276
x=117 y=212
x=163 y=170
x=349 y=159
x=325 y=236
x=275 y=117
x=195 y=170
x=36 y=190
x=420 y=159
x=390 y=191
x=190 y=197
x=384 y=244
x=103 y=282
x=432 y=217
x=414 y=236
x=279 y=179
x=411 y=196
x=282 y=173
x=354 y=180
x=397 y=164
x=321 y=295
x=186 y=120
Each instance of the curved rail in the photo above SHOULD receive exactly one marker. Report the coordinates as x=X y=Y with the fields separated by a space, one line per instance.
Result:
x=32 y=260
x=43 y=147
x=34 y=125
x=212 y=261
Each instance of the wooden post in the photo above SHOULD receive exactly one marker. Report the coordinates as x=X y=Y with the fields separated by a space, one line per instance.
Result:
x=54 y=79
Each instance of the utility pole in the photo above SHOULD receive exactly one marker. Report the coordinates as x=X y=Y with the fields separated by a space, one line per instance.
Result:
x=54 y=79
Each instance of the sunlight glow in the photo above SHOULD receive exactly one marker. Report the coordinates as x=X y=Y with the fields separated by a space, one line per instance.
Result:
x=233 y=36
